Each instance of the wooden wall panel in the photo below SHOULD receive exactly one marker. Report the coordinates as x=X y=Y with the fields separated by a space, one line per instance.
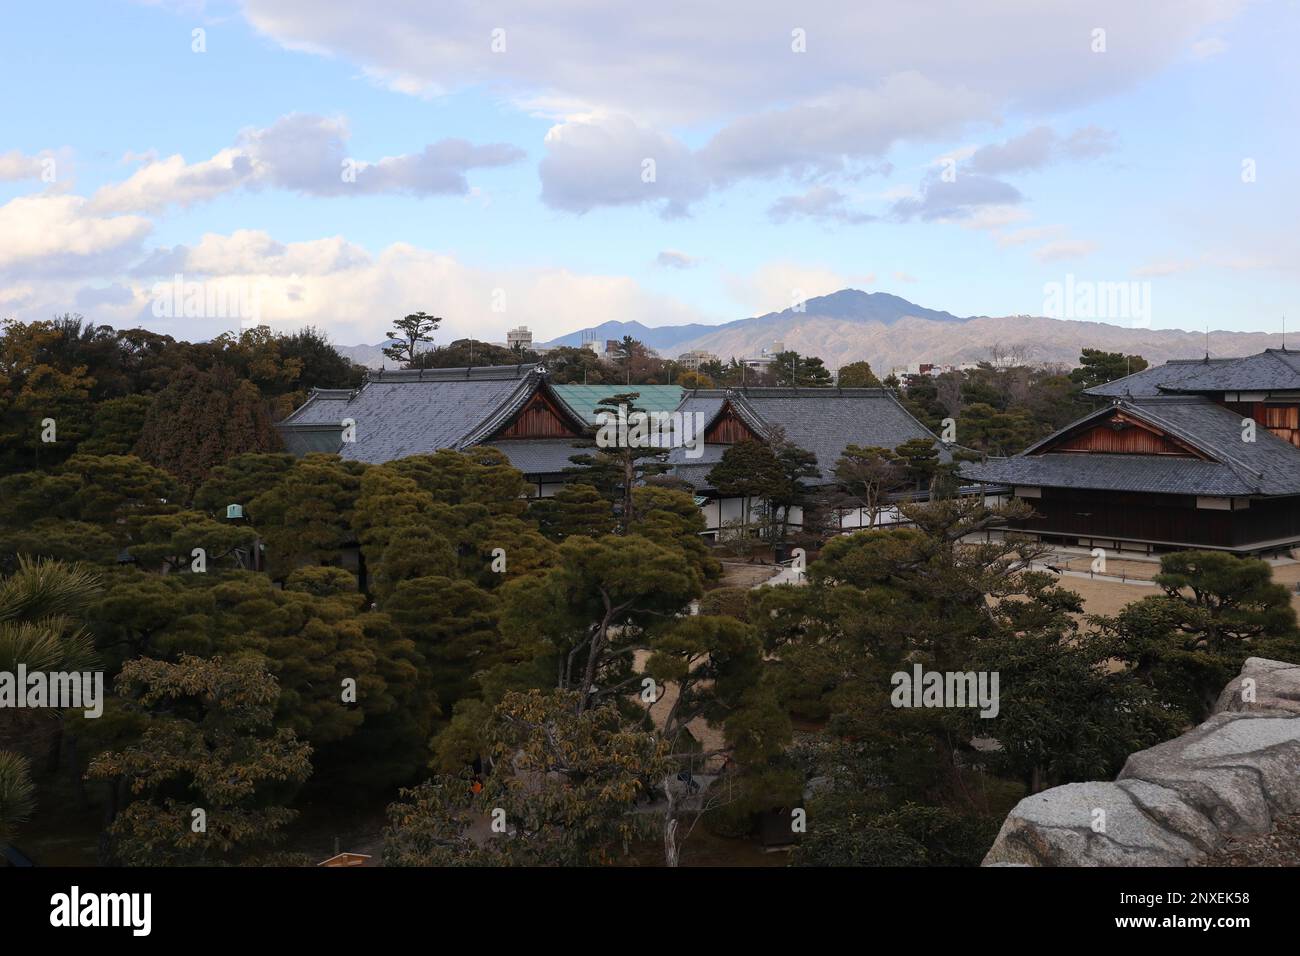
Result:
x=1131 y=441
x=728 y=430
x=538 y=419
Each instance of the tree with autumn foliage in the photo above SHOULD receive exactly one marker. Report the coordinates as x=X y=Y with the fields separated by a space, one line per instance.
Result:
x=207 y=781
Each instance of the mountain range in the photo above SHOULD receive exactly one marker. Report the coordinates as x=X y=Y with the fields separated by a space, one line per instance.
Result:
x=890 y=332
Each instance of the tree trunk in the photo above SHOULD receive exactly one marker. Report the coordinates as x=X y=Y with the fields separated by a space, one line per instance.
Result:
x=672 y=852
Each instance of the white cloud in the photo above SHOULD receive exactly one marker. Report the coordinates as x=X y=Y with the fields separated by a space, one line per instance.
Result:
x=955 y=199
x=353 y=295
x=612 y=161
x=304 y=153
x=1039 y=147
x=679 y=61
x=820 y=202
x=628 y=77
x=56 y=233
x=15 y=165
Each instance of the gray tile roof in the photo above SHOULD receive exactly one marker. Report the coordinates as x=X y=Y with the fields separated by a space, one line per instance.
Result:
x=821 y=420
x=540 y=456
x=1157 y=474
x=415 y=412
x=1270 y=370
x=1266 y=466
x=1149 y=381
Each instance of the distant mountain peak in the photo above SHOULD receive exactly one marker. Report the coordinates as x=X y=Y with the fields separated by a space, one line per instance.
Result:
x=849 y=305
x=854 y=305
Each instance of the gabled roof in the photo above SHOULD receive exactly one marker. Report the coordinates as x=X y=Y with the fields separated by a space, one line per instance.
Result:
x=1149 y=381
x=1231 y=466
x=823 y=421
x=1271 y=370
x=583 y=399
x=416 y=411
x=1275 y=370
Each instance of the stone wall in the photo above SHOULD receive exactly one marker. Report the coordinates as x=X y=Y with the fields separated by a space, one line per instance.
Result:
x=1177 y=802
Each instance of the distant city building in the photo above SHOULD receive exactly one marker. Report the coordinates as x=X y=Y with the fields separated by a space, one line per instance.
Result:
x=520 y=338
x=930 y=369
x=766 y=356
x=691 y=361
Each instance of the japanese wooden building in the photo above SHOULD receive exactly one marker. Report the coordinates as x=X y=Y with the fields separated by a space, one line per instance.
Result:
x=512 y=408
x=1190 y=454
x=823 y=421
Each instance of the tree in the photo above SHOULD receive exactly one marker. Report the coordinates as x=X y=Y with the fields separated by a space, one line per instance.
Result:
x=563 y=780
x=576 y=509
x=792 y=369
x=1216 y=610
x=40 y=383
x=714 y=665
x=207 y=745
x=592 y=606
x=982 y=426
x=1097 y=367
x=575 y=366
x=453 y=625
x=920 y=460
x=320 y=364
x=168 y=541
x=202 y=420
x=624 y=452
x=857 y=375
x=17 y=794
x=463 y=353
x=44 y=606
x=692 y=379
x=408 y=333
x=869 y=475
x=748 y=469
x=305 y=516
x=116 y=425
x=794 y=464
x=1063 y=714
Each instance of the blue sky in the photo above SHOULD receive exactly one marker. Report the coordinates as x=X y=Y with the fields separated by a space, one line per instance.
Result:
x=511 y=190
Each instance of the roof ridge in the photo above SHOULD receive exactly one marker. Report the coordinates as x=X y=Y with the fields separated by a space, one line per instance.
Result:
x=473 y=373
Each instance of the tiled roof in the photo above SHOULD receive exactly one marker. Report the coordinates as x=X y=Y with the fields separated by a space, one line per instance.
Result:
x=1158 y=474
x=1270 y=370
x=1149 y=381
x=583 y=399
x=415 y=411
x=1266 y=466
x=821 y=420
x=540 y=456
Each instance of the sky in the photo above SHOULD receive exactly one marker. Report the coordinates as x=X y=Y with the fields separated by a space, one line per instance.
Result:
x=193 y=167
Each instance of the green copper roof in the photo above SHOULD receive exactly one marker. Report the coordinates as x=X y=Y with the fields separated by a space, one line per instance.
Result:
x=654 y=398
